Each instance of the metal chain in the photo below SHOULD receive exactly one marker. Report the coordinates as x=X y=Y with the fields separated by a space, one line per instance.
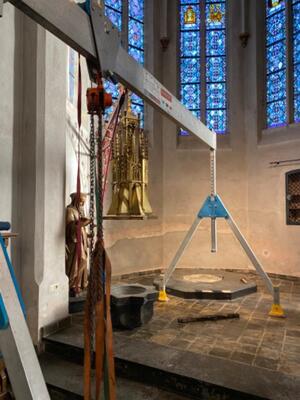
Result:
x=92 y=278
x=100 y=289
x=213 y=184
x=100 y=181
x=92 y=184
x=97 y=275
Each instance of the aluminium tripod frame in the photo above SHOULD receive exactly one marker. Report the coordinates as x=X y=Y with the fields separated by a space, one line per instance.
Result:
x=214 y=208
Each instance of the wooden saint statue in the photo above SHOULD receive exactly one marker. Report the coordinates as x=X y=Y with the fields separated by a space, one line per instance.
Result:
x=78 y=274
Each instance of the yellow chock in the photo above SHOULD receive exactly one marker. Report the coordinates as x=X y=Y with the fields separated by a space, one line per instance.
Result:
x=277 y=311
x=163 y=296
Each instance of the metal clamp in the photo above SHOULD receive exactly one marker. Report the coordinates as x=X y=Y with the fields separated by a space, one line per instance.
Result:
x=4 y=321
x=12 y=275
x=4 y=226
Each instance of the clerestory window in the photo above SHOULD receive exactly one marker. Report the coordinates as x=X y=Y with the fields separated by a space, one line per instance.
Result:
x=203 y=63
x=282 y=55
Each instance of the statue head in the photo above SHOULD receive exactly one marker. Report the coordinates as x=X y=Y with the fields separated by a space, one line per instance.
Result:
x=82 y=199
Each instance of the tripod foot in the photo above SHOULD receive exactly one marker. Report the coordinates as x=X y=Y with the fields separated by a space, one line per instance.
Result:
x=276 y=311
x=163 y=297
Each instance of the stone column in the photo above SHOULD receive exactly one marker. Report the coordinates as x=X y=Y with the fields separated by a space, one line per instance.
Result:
x=42 y=168
x=7 y=47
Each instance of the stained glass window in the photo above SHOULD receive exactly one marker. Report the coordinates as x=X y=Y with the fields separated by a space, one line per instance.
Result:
x=113 y=10
x=282 y=39
x=135 y=40
x=296 y=58
x=203 y=84
x=216 y=66
x=72 y=74
x=136 y=45
x=276 y=43
x=190 y=53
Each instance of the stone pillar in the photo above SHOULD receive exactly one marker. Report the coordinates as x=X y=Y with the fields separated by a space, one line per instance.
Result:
x=7 y=48
x=42 y=168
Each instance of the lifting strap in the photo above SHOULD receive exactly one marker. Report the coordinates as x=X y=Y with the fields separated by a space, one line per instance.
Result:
x=108 y=139
x=97 y=323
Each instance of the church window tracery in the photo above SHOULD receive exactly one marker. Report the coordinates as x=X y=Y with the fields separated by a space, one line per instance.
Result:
x=128 y=16
x=203 y=75
x=282 y=62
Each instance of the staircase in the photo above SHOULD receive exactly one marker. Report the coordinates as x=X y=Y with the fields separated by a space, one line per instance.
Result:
x=64 y=381
x=62 y=366
x=145 y=371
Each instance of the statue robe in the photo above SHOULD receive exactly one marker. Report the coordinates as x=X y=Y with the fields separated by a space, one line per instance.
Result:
x=78 y=274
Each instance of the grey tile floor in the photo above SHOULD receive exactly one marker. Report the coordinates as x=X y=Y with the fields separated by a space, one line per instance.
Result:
x=255 y=339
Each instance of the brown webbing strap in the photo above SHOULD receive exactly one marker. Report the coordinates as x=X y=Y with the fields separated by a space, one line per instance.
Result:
x=87 y=355
x=98 y=325
x=99 y=266
x=109 y=332
x=100 y=345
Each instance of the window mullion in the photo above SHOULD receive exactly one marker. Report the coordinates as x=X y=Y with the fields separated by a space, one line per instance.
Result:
x=265 y=101
x=125 y=19
x=277 y=67
x=289 y=61
x=203 y=61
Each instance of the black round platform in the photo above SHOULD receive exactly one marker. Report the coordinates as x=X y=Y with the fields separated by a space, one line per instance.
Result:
x=196 y=283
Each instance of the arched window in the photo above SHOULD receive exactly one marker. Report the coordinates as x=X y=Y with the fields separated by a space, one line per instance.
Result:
x=72 y=75
x=282 y=62
x=136 y=44
x=128 y=16
x=203 y=87
x=114 y=11
x=293 y=197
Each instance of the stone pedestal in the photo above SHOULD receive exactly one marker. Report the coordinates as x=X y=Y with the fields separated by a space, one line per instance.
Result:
x=132 y=305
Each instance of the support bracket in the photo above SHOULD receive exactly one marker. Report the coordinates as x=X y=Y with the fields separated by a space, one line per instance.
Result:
x=4 y=322
x=213 y=208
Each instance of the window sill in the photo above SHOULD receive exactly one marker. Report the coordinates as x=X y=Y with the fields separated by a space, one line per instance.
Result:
x=191 y=142
x=279 y=135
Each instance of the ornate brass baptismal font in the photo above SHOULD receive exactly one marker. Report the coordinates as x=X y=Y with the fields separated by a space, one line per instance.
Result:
x=130 y=169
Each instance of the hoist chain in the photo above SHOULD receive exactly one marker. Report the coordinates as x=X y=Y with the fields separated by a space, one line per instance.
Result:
x=92 y=184
x=91 y=290
x=100 y=181
x=213 y=185
x=96 y=278
x=100 y=289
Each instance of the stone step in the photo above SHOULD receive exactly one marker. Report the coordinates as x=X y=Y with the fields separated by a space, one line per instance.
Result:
x=184 y=373
x=65 y=381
